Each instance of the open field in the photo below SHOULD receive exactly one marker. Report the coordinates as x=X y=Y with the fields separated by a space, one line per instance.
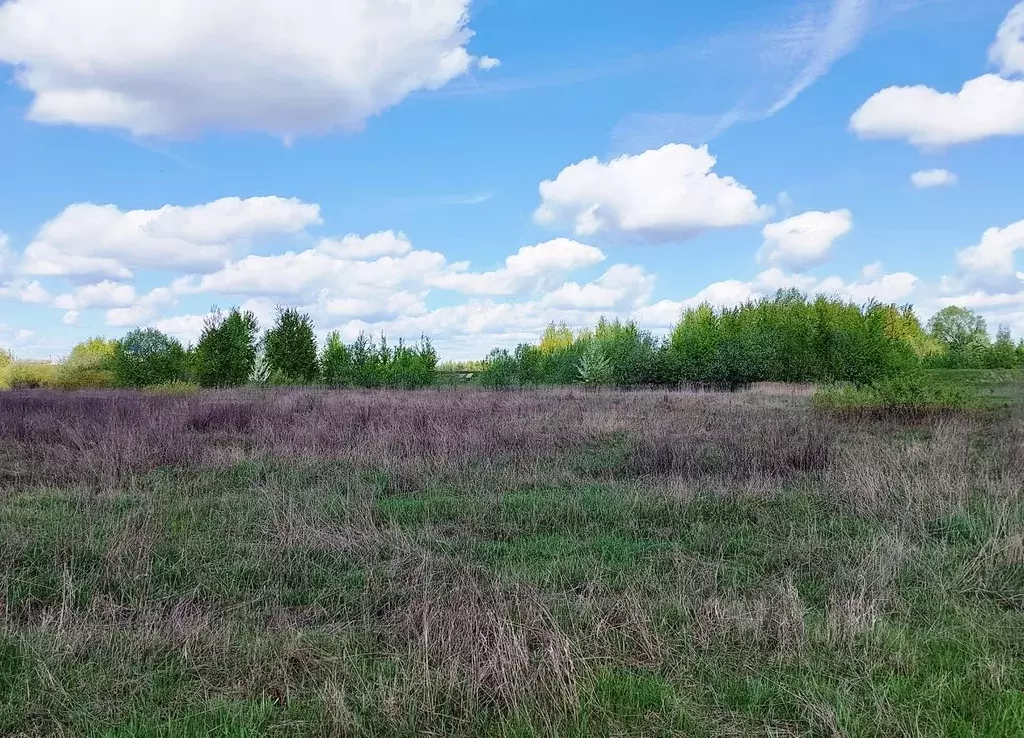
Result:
x=548 y=562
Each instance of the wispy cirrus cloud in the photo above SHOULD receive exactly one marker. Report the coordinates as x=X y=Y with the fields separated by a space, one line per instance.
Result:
x=771 y=68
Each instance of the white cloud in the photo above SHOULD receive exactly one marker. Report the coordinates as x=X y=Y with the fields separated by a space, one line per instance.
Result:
x=1007 y=51
x=21 y=290
x=804 y=240
x=102 y=240
x=173 y=68
x=105 y=294
x=142 y=309
x=385 y=243
x=186 y=328
x=530 y=269
x=71 y=317
x=990 y=263
x=23 y=335
x=659 y=195
x=488 y=62
x=302 y=273
x=933 y=178
x=986 y=106
x=622 y=286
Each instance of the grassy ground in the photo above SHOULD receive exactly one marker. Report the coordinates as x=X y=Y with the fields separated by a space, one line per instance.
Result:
x=298 y=563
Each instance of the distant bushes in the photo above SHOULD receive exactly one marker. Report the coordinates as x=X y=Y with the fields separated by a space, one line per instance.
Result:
x=366 y=363
x=22 y=375
x=90 y=365
x=914 y=393
x=783 y=338
x=964 y=340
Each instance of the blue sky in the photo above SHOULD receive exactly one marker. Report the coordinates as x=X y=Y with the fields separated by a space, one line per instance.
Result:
x=475 y=170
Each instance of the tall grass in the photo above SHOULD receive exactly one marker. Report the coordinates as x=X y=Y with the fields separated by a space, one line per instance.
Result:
x=558 y=562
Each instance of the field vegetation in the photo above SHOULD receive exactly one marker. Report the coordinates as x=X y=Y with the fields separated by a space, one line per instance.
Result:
x=581 y=562
x=793 y=518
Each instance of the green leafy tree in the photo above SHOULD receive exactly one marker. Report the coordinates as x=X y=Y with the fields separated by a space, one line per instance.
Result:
x=1002 y=354
x=90 y=365
x=963 y=334
x=557 y=337
x=146 y=357
x=226 y=353
x=411 y=367
x=336 y=362
x=290 y=347
x=500 y=370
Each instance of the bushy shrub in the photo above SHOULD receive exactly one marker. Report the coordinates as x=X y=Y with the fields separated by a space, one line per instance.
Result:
x=90 y=365
x=909 y=392
x=412 y=367
x=146 y=357
x=336 y=362
x=785 y=338
x=226 y=353
x=501 y=370
x=23 y=375
x=290 y=347
x=365 y=363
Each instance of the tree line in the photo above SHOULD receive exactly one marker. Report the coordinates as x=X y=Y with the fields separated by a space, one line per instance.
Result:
x=787 y=337
x=231 y=352
x=783 y=338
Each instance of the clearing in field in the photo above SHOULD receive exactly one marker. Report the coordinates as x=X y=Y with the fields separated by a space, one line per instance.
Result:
x=310 y=563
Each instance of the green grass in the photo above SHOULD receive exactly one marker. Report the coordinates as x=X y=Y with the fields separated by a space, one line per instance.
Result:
x=268 y=597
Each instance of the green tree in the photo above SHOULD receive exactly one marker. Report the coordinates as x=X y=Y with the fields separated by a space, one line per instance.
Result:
x=963 y=334
x=146 y=357
x=290 y=347
x=336 y=362
x=226 y=353
x=1002 y=354
x=89 y=365
x=557 y=337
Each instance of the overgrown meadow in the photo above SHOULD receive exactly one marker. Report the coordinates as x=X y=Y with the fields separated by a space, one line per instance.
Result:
x=310 y=562
x=795 y=518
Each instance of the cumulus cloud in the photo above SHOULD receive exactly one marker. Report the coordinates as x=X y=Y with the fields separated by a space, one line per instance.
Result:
x=986 y=106
x=529 y=269
x=622 y=286
x=22 y=290
x=659 y=195
x=488 y=62
x=142 y=309
x=102 y=240
x=384 y=243
x=105 y=294
x=293 y=274
x=71 y=317
x=1007 y=51
x=991 y=262
x=159 y=68
x=933 y=178
x=804 y=240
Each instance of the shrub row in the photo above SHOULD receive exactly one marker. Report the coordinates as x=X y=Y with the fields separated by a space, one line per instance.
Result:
x=783 y=338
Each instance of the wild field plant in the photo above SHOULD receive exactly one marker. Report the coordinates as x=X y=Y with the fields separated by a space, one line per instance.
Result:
x=303 y=562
